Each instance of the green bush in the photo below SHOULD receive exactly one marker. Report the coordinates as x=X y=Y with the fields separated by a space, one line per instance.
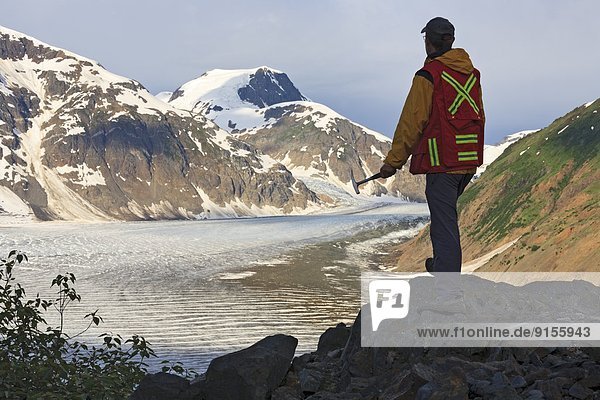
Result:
x=38 y=361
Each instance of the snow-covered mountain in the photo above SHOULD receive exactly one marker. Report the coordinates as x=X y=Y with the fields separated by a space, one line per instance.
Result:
x=492 y=152
x=79 y=142
x=261 y=106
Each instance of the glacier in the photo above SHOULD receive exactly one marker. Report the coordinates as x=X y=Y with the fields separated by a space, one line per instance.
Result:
x=199 y=289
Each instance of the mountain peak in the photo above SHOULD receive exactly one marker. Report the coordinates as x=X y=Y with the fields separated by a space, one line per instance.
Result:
x=23 y=44
x=267 y=87
x=237 y=72
x=220 y=89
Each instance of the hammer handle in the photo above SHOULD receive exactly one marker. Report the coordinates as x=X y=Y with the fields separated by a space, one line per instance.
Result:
x=376 y=176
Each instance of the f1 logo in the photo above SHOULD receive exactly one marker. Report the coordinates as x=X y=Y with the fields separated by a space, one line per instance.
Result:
x=389 y=299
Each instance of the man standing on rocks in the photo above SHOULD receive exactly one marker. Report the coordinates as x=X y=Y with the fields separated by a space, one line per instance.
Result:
x=441 y=126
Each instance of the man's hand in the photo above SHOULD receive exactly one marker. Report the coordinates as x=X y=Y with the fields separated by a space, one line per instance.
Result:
x=387 y=170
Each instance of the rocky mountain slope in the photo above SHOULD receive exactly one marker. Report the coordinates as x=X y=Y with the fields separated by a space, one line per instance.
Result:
x=78 y=142
x=542 y=193
x=261 y=106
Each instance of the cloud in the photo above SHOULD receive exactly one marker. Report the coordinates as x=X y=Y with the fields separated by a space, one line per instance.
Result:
x=538 y=58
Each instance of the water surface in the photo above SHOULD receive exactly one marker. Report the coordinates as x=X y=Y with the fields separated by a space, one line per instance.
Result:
x=199 y=289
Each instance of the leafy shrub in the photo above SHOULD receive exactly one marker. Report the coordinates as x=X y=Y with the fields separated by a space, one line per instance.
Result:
x=38 y=361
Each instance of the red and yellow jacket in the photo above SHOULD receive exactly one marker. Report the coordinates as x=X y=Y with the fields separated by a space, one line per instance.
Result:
x=418 y=111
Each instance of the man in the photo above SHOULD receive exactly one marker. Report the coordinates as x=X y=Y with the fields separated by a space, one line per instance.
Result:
x=441 y=126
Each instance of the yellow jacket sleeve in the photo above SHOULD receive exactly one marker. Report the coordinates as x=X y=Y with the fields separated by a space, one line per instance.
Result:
x=414 y=118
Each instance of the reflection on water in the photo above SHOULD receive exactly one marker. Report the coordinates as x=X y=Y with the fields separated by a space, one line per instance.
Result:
x=197 y=290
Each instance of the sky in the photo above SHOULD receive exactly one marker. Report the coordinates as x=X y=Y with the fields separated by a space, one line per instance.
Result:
x=539 y=59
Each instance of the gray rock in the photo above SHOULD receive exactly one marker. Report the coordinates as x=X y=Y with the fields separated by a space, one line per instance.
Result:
x=563 y=382
x=580 y=392
x=480 y=387
x=534 y=395
x=537 y=374
x=291 y=380
x=357 y=360
x=592 y=381
x=551 y=389
x=452 y=386
x=518 y=382
x=426 y=391
x=161 y=386
x=575 y=373
x=425 y=372
x=335 y=353
x=521 y=354
x=252 y=373
x=300 y=362
x=310 y=380
x=333 y=339
x=592 y=352
x=502 y=393
x=480 y=374
x=542 y=352
x=335 y=396
x=286 y=393
x=499 y=388
x=499 y=379
x=535 y=359
x=402 y=385
x=360 y=384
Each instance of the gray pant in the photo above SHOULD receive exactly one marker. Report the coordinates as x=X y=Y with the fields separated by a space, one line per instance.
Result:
x=442 y=192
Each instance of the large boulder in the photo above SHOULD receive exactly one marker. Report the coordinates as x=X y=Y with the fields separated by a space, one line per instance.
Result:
x=249 y=374
x=333 y=339
x=161 y=386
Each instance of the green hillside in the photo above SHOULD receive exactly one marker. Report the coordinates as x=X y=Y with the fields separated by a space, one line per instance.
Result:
x=543 y=192
x=555 y=155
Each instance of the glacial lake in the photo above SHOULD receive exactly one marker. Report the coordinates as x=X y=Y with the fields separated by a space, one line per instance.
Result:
x=199 y=289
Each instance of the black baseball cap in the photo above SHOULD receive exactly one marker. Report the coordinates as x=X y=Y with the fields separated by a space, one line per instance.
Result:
x=439 y=26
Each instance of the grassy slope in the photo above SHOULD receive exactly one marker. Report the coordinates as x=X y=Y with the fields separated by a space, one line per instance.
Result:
x=544 y=189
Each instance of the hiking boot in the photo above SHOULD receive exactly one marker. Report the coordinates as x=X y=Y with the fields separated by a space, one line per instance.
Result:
x=429 y=265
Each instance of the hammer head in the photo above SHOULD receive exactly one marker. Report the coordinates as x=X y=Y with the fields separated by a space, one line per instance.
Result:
x=354 y=184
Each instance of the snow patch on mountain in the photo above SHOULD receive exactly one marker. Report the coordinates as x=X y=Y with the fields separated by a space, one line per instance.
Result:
x=86 y=176
x=164 y=96
x=238 y=209
x=492 y=152
x=12 y=208
x=3 y=88
x=217 y=86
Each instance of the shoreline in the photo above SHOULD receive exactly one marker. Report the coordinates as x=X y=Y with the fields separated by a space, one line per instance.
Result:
x=364 y=207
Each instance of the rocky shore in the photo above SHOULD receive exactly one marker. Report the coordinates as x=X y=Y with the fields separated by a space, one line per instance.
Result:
x=340 y=369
